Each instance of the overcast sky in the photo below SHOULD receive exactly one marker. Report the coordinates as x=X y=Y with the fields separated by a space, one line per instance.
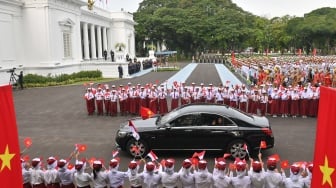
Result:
x=269 y=8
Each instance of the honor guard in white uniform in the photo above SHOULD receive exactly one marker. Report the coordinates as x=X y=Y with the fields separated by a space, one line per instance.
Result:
x=26 y=174
x=65 y=174
x=220 y=176
x=257 y=173
x=51 y=177
x=100 y=179
x=203 y=178
x=187 y=177
x=169 y=177
x=241 y=180
x=135 y=178
x=37 y=175
x=308 y=178
x=151 y=179
x=273 y=178
x=294 y=180
x=116 y=177
x=82 y=179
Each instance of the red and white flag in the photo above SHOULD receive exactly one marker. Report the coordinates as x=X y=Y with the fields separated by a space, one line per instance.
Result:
x=115 y=153
x=199 y=155
x=152 y=155
x=135 y=133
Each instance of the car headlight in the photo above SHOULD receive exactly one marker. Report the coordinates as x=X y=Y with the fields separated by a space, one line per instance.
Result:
x=122 y=134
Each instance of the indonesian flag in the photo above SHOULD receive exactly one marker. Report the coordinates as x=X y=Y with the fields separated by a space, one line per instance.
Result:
x=135 y=133
x=152 y=155
x=115 y=153
x=324 y=171
x=314 y=52
x=199 y=155
x=10 y=167
x=146 y=112
x=226 y=155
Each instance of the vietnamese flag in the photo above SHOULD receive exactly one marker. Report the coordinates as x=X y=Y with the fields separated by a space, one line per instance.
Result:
x=10 y=162
x=284 y=164
x=324 y=171
x=146 y=112
x=263 y=144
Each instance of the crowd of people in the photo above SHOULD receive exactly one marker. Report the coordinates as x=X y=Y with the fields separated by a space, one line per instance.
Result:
x=264 y=99
x=194 y=172
x=289 y=71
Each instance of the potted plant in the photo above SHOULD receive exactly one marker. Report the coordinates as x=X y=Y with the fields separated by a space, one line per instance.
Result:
x=120 y=46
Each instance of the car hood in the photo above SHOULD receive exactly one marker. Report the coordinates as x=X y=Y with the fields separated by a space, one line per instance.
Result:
x=140 y=124
x=261 y=121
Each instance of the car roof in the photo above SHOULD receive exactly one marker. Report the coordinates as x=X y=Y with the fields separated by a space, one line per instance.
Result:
x=212 y=108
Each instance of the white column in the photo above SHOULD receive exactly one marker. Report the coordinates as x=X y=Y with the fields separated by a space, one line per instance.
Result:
x=99 y=43
x=86 y=41
x=104 y=39
x=93 y=42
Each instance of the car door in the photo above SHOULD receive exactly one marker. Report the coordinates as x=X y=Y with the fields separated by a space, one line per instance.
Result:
x=216 y=136
x=179 y=134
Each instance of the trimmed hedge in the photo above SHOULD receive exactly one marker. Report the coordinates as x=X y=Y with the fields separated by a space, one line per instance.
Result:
x=34 y=80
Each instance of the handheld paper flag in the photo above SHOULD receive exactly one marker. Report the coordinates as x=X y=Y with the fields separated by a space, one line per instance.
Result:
x=152 y=155
x=263 y=144
x=28 y=142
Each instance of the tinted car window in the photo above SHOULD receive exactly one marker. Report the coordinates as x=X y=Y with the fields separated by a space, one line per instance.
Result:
x=184 y=121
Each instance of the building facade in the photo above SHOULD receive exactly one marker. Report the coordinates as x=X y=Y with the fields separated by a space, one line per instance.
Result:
x=49 y=37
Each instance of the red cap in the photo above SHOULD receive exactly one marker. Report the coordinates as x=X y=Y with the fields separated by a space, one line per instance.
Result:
x=241 y=166
x=221 y=165
x=51 y=160
x=310 y=167
x=97 y=165
x=79 y=165
x=295 y=168
x=35 y=162
x=150 y=166
x=169 y=163
x=114 y=163
x=61 y=163
x=202 y=164
x=256 y=165
x=132 y=165
x=186 y=163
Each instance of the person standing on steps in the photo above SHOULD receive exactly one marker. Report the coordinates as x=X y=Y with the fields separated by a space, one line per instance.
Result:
x=120 y=71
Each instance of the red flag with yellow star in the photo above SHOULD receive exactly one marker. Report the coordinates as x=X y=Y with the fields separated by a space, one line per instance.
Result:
x=10 y=167
x=324 y=170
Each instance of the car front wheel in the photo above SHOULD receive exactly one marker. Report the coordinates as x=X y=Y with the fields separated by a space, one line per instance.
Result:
x=137 y=148
x=237 y=150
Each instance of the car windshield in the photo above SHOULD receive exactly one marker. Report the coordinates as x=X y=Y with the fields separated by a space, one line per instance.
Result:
x=168 y=117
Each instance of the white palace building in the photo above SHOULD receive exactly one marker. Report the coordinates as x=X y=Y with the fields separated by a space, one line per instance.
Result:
x=50 y=37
